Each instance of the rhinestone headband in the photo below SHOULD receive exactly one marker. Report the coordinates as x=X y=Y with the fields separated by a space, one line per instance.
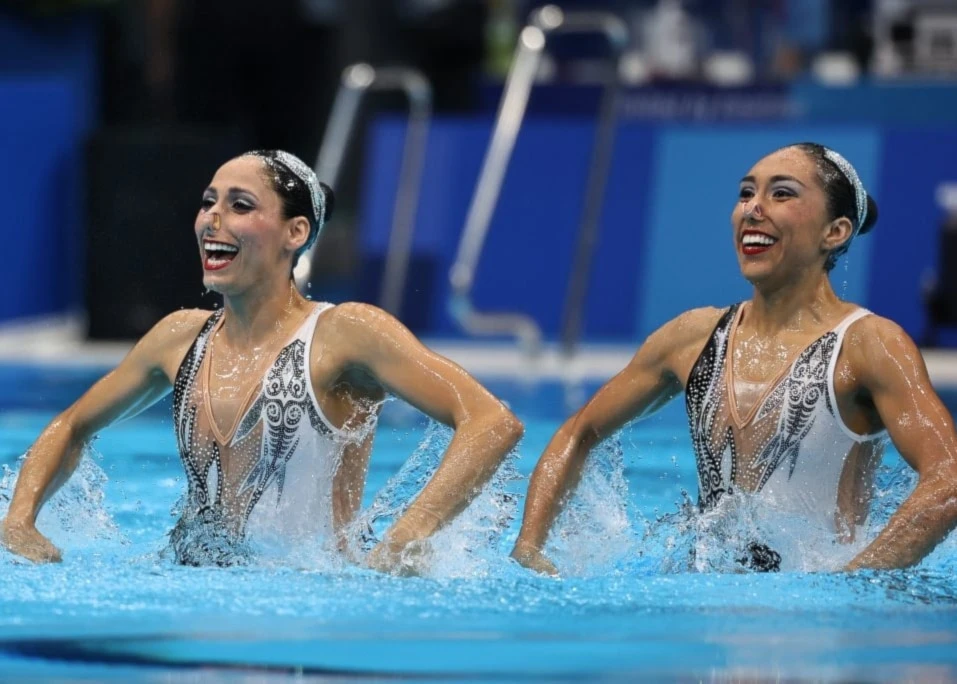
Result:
x=303 y=172
x=860 y=195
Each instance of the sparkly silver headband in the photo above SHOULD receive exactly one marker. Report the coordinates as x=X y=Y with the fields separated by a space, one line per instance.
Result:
x=860 y=195
x=304 y=172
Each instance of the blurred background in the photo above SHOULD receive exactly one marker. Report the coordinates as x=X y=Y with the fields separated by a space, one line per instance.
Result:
x=633 y=121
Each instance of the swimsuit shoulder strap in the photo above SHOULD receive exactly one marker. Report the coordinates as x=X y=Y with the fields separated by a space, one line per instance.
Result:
x=840 y=330
x=709 y=362
x=189 y=368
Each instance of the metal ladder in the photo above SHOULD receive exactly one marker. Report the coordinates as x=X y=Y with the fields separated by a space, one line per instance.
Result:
x=357 y=80
x=532 y=43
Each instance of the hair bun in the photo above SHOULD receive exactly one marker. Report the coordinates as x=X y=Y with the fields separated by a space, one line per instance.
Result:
x=871 y=218
x=330 y=201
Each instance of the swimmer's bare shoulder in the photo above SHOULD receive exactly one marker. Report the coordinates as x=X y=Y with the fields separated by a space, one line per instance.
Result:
x=166 y=344
x=367 y=345
x=144 y=376
x=350 y=328
x=348 y=317
x=875 y=337
x=341 y=326
x=339 y=332
x=877 y=352
x=655 y=375
x=675 y=346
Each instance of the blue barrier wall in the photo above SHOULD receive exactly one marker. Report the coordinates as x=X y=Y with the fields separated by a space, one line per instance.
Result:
x=48 y=102
x=666 y=242
x=689 y=256
x=914 y=163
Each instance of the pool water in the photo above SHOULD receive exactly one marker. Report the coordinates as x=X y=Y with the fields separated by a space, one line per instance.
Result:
x=629 y=604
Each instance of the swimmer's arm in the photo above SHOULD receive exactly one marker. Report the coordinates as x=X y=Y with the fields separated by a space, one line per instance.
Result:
x=485 y=430
x=136 y=383
x=365 y=396
x=892 y=370
x=651 y=379
x=348 y=485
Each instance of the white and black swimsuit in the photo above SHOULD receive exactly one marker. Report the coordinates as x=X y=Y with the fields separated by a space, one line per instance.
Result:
x=792 y=448
x=266 y=479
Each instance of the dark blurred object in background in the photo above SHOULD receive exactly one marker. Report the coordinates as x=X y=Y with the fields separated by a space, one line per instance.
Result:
x=941 y=287
x=198 y=81
x=272 y=68
x=53 y=8
x=915 y=37
x=142 y=257
x=263 y=66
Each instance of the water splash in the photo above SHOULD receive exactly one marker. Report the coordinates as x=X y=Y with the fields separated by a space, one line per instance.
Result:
x=75 y=517
x=687 y=540
x=469 y=546
x=203 y=539
x=595 y=530
x=738 y=533
x=847 y=268
x=893 y=482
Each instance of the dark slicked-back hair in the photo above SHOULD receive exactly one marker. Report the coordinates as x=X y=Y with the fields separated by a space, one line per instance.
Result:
x=840 y=197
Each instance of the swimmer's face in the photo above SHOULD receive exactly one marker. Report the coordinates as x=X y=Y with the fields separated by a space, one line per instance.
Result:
x=244 y=239
x=781 y=223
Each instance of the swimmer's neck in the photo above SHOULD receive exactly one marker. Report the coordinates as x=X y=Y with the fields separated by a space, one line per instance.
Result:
x=256 y=316
x=793 y=306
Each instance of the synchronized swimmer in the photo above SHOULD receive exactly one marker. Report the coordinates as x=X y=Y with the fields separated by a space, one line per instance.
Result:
x=274 y=396
x=791 y=395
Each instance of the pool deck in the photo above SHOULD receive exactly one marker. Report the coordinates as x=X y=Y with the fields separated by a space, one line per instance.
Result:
x=60 y=341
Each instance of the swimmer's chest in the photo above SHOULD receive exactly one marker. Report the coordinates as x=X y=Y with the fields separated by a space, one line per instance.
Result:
x=757 y=366
x=229 y=387
x=758 y=375
x=230 y=403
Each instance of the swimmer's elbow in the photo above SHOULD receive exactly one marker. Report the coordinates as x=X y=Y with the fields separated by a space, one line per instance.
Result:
x=942 y=483
x=506 y=427
x=498 y=428
x=72 y=428
x=946 y=508
x=580 y=433
x=512 y=428
x=948 y=490
x=944 y=474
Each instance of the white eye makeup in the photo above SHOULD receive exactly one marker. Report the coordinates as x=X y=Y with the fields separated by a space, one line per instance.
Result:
x=786 y=189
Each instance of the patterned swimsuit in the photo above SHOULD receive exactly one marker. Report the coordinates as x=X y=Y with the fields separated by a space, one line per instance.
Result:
x=268 y=477
x=792 y=448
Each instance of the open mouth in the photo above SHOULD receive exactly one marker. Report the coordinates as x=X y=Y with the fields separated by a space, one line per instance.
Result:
x=218 y=255
x=754 y=242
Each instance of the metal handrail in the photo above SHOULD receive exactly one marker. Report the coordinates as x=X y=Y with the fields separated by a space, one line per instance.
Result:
x=543 y=22
x=358 y=79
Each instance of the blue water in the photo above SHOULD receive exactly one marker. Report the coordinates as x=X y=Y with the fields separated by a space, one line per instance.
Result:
x=626 y=608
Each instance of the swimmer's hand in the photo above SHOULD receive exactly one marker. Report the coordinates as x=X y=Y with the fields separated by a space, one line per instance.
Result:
x=533 y=559
x=403 y=551
x=402 y=560
x=24 y=540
